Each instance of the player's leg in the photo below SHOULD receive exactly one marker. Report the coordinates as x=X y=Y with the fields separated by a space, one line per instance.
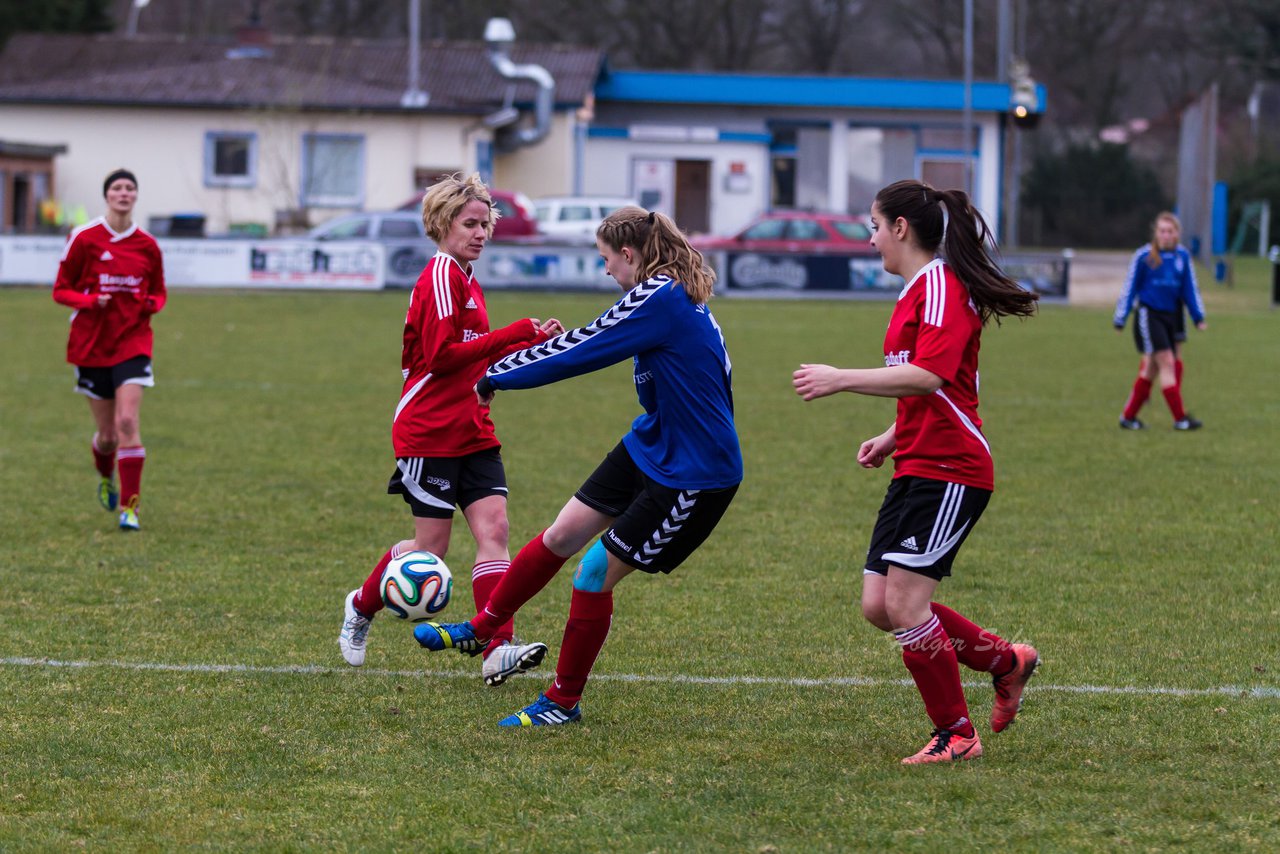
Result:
x=130 y=378
x=1146 y=372
x=104 y=445
x=418 y=482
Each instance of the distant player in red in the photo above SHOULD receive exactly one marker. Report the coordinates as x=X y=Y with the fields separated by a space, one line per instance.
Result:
x=943 y=473
x=446 y=450
x=112 y=274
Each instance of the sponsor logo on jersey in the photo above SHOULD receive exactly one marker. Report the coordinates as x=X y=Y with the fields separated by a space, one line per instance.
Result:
x=471 y=303
x=643 y=378
x=902 y=357
x=471 y=334
x=106 y=255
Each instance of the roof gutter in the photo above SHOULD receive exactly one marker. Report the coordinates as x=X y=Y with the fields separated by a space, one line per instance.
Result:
x=499 y=35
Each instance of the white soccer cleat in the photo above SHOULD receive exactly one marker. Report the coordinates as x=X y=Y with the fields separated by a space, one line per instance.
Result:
x=511 y=658
x=355 y=628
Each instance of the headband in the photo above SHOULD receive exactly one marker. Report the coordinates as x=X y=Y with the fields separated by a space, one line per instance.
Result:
x=116 y=176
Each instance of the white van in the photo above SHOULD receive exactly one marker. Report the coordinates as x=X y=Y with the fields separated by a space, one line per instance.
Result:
x=575 y=217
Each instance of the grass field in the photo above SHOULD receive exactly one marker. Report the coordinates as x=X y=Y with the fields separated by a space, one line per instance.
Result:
x=182 y=688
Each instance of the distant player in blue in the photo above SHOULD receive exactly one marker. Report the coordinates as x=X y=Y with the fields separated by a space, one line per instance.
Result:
x=662 y=490
x=1162 y=279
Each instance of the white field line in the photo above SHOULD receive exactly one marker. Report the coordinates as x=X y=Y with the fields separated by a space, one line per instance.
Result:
x=1265 y=693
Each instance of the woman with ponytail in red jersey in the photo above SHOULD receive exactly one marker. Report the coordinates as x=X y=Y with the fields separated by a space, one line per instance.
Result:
x=943 y=473
x=112 y=274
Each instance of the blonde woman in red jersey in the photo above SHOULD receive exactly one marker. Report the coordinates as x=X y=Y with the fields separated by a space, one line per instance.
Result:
x=943 y=473
x=446 y=450
x=112 y=274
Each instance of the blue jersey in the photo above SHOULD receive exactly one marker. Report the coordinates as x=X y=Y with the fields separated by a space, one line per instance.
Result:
x=1167 y=287
x=685 y=438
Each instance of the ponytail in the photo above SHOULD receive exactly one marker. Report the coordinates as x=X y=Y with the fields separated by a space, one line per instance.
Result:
x=662 y=249
x=945 y=222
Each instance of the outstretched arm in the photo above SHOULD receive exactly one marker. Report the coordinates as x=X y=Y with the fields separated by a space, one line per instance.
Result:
x=814 y=381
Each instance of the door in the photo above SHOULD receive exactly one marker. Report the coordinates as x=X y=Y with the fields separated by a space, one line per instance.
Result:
x=693 y=196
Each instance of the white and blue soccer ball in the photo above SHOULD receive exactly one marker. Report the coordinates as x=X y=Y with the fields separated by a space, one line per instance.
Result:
x=416 y=586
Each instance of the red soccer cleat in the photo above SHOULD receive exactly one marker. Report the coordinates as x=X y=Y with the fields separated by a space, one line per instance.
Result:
x=946 y=746
x=1009 y=687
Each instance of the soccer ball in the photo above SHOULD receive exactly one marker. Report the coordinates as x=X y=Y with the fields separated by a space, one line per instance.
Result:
x=416 y=586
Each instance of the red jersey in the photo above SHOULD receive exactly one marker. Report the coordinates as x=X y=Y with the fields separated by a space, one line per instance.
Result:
x=127 y=266
x=936 y=326
x=447 y=347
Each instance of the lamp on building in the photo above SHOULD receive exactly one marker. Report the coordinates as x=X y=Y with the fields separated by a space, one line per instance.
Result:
x=1024 y=105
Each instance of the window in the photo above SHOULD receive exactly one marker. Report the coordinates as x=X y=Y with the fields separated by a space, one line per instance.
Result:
x=576 y=213
x=230 y=159
x=769 y=229
x=852 y=230
x=332 y=170
x=400 y=227
x=347 y=229
x=806 y=229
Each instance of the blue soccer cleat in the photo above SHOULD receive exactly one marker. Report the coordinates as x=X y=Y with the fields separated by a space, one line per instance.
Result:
x=108 y=495
x=129 y=520
x=438 y=637
x=543 y=712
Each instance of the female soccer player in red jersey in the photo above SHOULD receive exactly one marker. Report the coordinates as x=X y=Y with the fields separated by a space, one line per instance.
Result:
x=112 y=274
x=446 y=450
x=943 y=473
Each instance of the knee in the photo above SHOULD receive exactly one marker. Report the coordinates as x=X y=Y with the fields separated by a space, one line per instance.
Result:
x=107 y=442
x=126 y=426
x=875 y=614
x=593 y=567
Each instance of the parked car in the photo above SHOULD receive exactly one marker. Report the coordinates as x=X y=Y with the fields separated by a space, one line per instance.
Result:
x=408 y=247
x=516 y=217
x=796 y=231
x=575 y=216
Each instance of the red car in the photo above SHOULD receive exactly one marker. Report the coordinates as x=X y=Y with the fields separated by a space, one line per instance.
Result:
x=516 y=217
x=797 y=231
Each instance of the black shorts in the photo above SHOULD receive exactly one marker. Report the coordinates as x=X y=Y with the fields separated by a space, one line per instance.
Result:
x=431 y=486
x=655 y=527
x=1180 y=327
x=1154 y=331
x=922 y=525
x=101 y=383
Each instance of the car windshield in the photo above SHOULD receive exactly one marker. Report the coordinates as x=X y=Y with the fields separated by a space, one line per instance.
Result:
x=852 y=230
x=806 y=229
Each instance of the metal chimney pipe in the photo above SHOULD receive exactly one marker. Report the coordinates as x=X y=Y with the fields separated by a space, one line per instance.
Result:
x=499 y=34
x=414 y=96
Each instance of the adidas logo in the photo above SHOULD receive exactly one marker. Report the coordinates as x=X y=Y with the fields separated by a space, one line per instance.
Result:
x=106 y=255
x=471 y=303
x=910 y=543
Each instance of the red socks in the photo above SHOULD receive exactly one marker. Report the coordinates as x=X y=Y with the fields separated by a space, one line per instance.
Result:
x=104 y=463
x=129 y=461
x=928 y=654
x=484 y=579
x=529 y=572
x=976 y=648
x=590 y=615
x=1141 y=391
x=1172 y=396
x=1177 y=372
x=369 y=600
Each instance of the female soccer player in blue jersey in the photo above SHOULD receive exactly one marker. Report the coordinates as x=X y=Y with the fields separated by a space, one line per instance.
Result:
x=943 y=472
x=661 y=491
x=1162 y=279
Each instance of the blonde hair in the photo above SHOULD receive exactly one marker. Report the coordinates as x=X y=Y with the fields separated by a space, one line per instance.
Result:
x=662 y=247
x=1153 y=257
x=444 y=200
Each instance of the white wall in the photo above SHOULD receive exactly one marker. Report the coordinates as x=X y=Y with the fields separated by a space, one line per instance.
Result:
x=165 y=149
x=609 y=163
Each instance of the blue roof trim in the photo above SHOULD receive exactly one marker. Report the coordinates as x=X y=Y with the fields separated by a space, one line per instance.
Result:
x=617 y=133
x=763 y=90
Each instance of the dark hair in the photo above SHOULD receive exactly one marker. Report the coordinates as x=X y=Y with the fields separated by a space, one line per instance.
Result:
x=966 y=239
x=116 y=176
x=1153 y=257
x=662 y=248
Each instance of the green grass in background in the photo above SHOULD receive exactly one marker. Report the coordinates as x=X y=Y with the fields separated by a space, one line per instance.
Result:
x=1140 y=560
